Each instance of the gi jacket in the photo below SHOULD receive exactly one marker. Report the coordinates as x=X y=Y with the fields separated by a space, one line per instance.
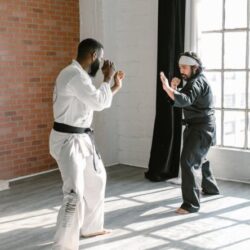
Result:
x=196 y=99
x=76 y=98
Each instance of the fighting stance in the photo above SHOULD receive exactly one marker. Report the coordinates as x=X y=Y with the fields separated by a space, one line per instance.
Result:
x=196 y=99
x=72 y=144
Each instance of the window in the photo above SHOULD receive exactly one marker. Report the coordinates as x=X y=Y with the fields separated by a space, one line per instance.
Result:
x=224 y=47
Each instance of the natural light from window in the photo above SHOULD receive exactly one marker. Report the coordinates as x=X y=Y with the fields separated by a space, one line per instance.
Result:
x=224 y=49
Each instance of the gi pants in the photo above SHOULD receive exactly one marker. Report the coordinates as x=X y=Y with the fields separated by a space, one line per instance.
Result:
x=197 y=139
x=82 y=211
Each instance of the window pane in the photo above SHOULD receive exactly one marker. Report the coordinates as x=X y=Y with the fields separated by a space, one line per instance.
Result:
x=214 y=79
x=249 y=91
x=218 y=126
x=249 y=51
x=234 y=128
x=208 y=7
x=248 y=144
x=235 y=90
x=236 y=14
x=211 y=50
x=235 y=50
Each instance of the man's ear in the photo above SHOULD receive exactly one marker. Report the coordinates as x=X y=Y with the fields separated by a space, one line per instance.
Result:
x=94 y=56
x=195 y=68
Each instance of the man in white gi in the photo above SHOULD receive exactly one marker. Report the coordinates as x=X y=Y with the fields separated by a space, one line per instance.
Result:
x=72 y=144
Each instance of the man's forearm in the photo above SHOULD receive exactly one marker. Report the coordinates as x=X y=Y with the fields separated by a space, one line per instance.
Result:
x=115 y=89
x=170 y=91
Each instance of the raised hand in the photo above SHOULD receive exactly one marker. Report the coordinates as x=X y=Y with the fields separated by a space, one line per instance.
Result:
x=164 y=80
x=108 y=69
x=165 y=85
x=118 y=77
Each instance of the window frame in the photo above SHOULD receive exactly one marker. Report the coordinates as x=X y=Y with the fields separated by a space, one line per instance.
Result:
x=246 y=70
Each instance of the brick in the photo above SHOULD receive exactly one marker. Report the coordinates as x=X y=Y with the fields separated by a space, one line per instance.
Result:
x=13 y=19
x=35 y=79
x=2 y=29
x=31 y=159
x=42 y=126
x=10 y=113
x=36 y=142
x=18 y=140
x=36 y=10
x=38 y=39
x=51 y=53
x=2 y=153
x=32 y=26
x=17 y=118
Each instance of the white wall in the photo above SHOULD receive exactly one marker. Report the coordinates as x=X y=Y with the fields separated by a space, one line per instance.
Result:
x=230 y=164
x=97 y=23
x=128 y=30
x=136 y=28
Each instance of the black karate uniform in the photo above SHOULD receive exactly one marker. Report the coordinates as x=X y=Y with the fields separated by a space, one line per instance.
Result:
x=196 y=99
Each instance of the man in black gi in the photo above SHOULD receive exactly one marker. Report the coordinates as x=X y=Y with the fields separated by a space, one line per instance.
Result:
x=196 y=99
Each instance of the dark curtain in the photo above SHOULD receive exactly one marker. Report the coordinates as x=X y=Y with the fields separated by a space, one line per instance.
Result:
x=165 y=150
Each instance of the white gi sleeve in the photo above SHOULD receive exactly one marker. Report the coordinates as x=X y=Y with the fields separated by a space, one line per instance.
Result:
x=87 y=93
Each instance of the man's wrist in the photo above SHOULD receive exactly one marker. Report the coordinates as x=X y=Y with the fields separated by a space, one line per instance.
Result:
x=107 y=79
x=116 y=87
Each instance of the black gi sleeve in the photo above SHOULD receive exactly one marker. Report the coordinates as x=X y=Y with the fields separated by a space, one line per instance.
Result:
x=188 y=95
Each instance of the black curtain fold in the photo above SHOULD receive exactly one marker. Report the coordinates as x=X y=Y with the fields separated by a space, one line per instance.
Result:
x=166 y=143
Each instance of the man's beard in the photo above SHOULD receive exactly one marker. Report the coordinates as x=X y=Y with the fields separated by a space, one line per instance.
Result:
x=94 y=67
x=186 y=77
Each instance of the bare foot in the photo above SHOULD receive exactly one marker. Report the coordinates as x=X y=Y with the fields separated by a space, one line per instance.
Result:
x=181 y=211
x=103 y=232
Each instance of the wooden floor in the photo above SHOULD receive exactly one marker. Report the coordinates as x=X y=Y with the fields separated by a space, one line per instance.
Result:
x=141 y=214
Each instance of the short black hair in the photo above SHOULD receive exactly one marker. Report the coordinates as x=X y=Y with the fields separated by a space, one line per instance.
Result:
x=87 y=46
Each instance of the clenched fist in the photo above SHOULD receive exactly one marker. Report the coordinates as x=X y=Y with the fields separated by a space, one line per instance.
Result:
x=175 y=82
x=118 y=77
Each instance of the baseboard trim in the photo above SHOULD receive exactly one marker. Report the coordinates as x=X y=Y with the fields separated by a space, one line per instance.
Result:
x=226 y=179
x=32 y=175
x=137 y=166
x=41 y=173
x=111 y=165
x=4 y=185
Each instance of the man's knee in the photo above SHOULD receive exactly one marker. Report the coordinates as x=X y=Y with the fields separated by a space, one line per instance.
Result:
x=186 y=162
x=73 y=197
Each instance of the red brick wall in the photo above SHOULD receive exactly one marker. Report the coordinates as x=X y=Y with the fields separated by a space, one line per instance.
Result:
x=37 y=39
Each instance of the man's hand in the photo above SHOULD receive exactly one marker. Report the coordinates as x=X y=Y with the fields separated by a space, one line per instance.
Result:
x=164 y=80
x=108 y=69
x=118 y=77
x=166 y=87
x=175 y=83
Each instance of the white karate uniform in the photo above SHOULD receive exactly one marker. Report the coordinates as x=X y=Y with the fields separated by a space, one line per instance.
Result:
x=75 y=99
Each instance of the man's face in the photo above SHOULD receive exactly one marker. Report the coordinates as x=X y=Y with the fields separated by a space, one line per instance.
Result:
x=95 y=65
x=186 y=71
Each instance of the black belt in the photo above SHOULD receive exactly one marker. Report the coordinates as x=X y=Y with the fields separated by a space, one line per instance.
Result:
x=64 y=128
x=199 y=120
